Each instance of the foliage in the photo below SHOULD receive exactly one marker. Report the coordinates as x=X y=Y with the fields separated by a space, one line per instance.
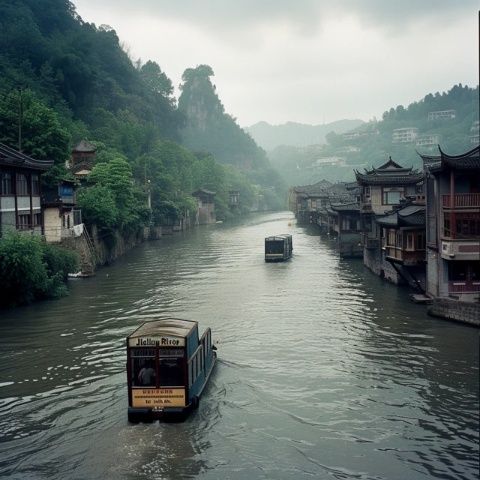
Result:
x=373 y=145
x=78 y=83
x=42 y=135
x=209 y=129
x=31 y=269
x=98 y=206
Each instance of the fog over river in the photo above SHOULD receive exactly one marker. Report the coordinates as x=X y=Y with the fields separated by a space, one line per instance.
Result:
x=325 y=371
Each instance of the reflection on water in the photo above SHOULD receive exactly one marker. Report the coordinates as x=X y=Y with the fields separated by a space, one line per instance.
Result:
x=324 y=370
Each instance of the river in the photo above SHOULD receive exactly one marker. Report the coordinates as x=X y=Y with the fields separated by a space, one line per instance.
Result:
x=325 y=371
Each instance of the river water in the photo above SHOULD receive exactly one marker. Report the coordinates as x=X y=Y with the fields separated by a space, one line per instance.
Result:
x=325 y=371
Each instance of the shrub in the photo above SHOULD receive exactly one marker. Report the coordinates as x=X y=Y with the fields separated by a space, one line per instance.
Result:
x=31 y=269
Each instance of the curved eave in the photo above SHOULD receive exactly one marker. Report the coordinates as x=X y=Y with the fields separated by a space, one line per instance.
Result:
x=386 y=180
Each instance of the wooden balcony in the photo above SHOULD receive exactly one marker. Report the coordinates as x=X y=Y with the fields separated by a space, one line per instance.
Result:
x=463 y=286
x=405 y=257
x=461 y=200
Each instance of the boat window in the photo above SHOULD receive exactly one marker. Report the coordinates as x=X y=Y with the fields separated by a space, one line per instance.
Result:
x=274 y=247
x=143 y=367
x=170 y=371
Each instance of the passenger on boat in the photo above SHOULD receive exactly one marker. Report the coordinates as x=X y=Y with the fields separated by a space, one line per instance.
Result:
x=146 y=375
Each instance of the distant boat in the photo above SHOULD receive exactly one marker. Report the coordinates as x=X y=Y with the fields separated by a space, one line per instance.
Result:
x=168 y=367
x=278 y=248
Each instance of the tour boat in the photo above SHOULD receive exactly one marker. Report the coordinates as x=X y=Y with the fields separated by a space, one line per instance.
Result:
x=168 y=367
x=278 y=248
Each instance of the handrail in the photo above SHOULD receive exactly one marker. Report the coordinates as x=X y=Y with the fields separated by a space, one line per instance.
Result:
x=461 y=200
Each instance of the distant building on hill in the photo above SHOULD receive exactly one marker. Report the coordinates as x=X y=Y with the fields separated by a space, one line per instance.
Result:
x=83 y=159
x=404 y=135
x=442 y=115
x=428 y=140
x=475 y=133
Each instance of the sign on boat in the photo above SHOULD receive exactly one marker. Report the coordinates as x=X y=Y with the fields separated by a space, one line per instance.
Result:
x=168 y=367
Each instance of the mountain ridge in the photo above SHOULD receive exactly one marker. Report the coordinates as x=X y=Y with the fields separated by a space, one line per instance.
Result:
x=297 y=134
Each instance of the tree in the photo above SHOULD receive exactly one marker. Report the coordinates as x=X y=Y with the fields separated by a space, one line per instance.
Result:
x=42 y=135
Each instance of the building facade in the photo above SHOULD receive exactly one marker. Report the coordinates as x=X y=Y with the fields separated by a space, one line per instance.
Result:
x=20 y=191
x=383 y=190
x=206 y=206
x=453 y=225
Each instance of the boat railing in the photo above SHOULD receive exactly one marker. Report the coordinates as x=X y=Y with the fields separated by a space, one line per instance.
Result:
x=196 y=365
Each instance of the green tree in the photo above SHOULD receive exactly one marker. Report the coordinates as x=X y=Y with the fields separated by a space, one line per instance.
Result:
x=42 y=135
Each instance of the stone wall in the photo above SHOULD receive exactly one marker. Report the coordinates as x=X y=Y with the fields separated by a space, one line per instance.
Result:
x=455 y=310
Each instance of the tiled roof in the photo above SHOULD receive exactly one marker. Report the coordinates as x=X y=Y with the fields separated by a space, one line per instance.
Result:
x=203 y=191
x=14 y=158
x=84 y=146
x=467 y=161
x=318 y=188
x=390 y=173
x=399 y=179
x=345 y=207
x=409 y=216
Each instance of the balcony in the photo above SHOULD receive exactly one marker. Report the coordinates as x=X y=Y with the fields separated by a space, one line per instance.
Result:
x=405 y=257
x=460 y=250
x=461 y=200
x=463 y=286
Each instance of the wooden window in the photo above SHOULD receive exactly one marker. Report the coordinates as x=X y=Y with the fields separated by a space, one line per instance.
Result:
x=6 y=183
x=37 y=219
x=35 y=184
x=22 y=184
x=391 y=197
x=420 y=241
x=410 y=241
x=24 y=222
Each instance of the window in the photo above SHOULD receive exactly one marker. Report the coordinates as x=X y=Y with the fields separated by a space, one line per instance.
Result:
x=35 y=184
x=143 y=369
x=24 y=222
x=457 y=271
x=391 y=197
x=6 y=183
x=410 y=241
x=22 y=184
x=420 y=241
x=37 y=219
x=446 y=227
x=366 y=191
x=274 y=246
x=391 y=238
x=170 y=371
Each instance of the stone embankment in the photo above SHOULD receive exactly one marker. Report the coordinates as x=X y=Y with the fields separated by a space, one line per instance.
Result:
x=456 y=310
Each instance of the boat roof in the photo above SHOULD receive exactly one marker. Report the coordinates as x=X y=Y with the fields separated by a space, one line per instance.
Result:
x=175 y=327
x=282 y=236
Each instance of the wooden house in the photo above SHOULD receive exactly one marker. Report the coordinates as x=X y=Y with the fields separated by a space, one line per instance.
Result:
x=206 y=206
x=453 y=225
x=60 y=216
x=382 y=190
x=403 y=245
x=20 y=191
x=83 y=159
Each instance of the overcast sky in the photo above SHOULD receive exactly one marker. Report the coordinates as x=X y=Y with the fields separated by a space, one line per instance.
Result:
x=307 y=61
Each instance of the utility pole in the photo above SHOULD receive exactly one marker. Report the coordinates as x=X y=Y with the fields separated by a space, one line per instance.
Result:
x=20 y=119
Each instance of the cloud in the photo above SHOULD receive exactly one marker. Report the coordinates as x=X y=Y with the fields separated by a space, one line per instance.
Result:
x=304 y=16
x=303 y=60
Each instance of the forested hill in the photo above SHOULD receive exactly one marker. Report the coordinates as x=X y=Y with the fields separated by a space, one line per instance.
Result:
x=297 y=134
x=370 y=144
x=209 y=128
x=82 y=71
x=73 y=81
